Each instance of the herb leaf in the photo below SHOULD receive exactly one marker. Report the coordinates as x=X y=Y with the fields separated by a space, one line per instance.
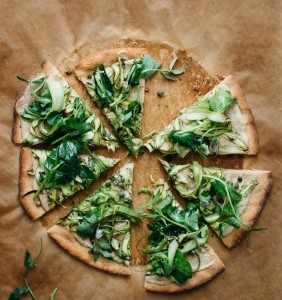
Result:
x=17 y=293
x=150 y=66
x=220 y=101
x=28 y=261
x=182 y=268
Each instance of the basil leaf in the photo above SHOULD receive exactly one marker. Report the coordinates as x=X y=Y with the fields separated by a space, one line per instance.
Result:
x=28 y=261
x=150 y=66
x=221 y=100
x=182 y=270
x=17 y=293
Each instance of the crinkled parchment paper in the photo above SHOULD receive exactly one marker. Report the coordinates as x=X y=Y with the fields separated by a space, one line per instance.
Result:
x=242 y=38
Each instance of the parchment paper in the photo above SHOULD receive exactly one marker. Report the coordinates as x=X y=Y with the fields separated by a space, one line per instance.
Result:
x=242 y=38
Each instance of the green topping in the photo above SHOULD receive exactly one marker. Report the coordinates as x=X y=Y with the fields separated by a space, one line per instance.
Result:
x=63 y=171
x=218 y=198
x=30 y=264
x=174 y=232
x=103 y=218
x=203 y=128
x=116 y=88
x=57 y=113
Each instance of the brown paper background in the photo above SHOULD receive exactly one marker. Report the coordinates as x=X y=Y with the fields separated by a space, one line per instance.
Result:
x=242 y=38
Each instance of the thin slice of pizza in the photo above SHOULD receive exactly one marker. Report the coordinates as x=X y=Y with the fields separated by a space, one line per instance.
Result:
x=49 y=110
x=230 y=201
x=218 y=123
x=179 y=256
x=47 y=178
x=97 y=231
x=115 y=79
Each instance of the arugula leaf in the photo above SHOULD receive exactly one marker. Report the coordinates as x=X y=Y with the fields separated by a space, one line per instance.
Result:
x=182 y=270
x=28 y=261
x=189 y=140
x=150 y=66
x=221 y=100
x=17 y=293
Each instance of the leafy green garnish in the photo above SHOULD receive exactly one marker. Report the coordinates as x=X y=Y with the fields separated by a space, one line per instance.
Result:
x=220 y=101
x=189 y=140
x=30 y=264
x=182 y=270
x=150 y=66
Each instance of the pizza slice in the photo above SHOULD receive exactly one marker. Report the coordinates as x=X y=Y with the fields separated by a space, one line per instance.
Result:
x=115 y=79
x=97 y=231
x=229 y=200
x=179 y=256
x=49 y=110
x=47 y=178
x=218 y=123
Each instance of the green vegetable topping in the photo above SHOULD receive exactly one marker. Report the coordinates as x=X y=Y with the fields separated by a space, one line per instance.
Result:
x=203 y=128
x=173 y=233
x=217 y=197
x=56 y=113
x=103 y=219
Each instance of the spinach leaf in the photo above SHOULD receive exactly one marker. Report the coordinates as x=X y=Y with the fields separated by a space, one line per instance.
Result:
x=54 y=118
x=182 y=269
x=85 y=229
x=134 y=108
x=220 y=101
x=74 y=128
x=189 y=140
x=37 y=110
x=150 y=66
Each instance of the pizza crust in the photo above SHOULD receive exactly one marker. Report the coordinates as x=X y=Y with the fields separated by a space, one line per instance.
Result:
x=106 y=57
x=66 y=239
x=238 y=93
x=26 y=185
x=253 y=209
x=198 y=279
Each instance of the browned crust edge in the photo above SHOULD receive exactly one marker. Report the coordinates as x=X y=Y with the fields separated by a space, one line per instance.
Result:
x=252 y=134
x=107 y=57
x=26 y=185
x=66 y=240
x=45 y=66
x=253 y=209
x=199 y=278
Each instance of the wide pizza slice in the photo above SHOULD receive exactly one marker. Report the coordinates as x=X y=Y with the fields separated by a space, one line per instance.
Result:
x=115 y=79
x=219 y=122
x=179 y=256
x=97 y=231
x=47 y=178
x=49 y=110
x=230 y=201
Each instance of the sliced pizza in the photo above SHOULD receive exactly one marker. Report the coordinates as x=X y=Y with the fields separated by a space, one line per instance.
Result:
x=49 y=110
x=179 y=256
x=218 y=123
x=97 y=231
x=229 y=200
x=47 y=178
x=115 y=79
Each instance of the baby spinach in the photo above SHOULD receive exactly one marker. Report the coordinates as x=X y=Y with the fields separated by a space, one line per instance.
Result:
x=220 y=101
x=182 y=270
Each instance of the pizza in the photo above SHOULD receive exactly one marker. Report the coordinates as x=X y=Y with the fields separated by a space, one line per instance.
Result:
x=49 y=110
x=97 y=231
x=47 y=178
x=219 y=122
x=179 y=256
x=115 y=79
x=229 y=200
